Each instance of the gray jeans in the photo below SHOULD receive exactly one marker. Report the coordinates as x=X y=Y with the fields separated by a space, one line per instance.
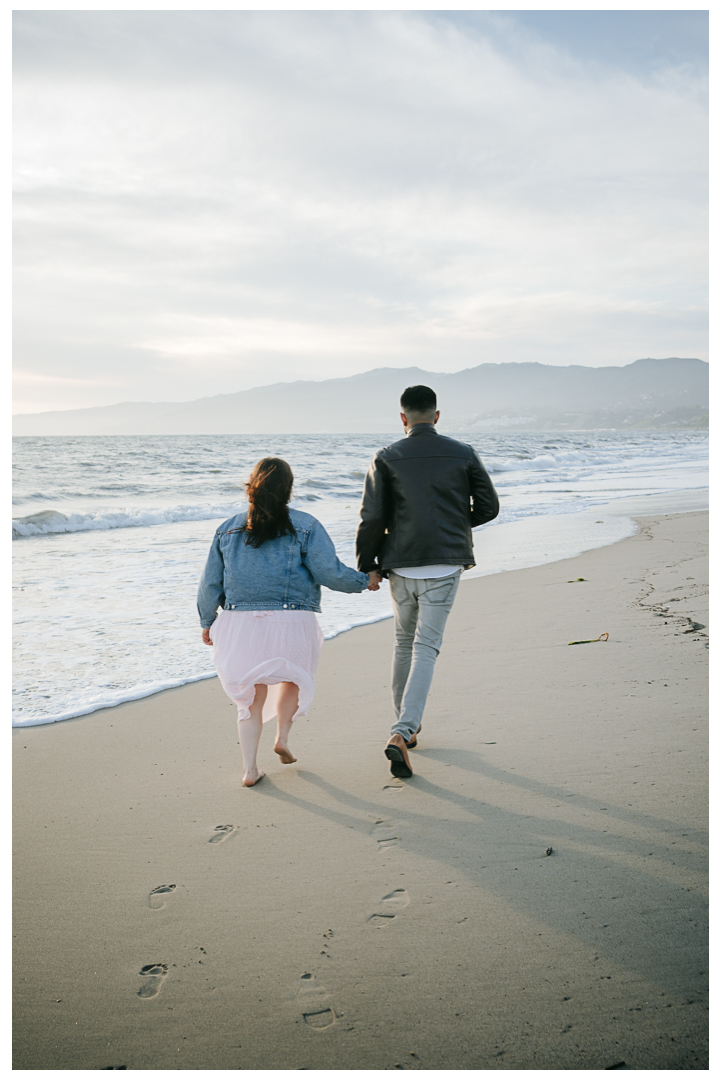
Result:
x=421 y=607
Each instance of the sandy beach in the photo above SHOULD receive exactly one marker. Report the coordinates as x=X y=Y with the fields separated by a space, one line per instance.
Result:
x=336 y=918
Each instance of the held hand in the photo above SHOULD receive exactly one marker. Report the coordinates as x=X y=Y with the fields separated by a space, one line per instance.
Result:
x=206 y=635
x=375 y=580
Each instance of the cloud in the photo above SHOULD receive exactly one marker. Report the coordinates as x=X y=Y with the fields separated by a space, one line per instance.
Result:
x=211 y=200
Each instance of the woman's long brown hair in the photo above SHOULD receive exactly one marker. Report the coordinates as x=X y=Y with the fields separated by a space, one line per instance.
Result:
x=268 y=490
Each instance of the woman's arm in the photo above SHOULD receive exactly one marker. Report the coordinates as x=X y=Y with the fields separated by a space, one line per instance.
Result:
x=325 y=567
x=211 y=590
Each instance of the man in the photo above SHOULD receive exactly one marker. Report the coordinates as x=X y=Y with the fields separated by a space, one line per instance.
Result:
x=423 y=495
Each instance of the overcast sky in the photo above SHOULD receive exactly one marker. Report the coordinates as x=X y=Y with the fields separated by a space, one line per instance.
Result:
x=208 y=201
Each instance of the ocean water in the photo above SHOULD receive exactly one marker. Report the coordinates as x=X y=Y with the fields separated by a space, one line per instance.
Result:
x=111 y=534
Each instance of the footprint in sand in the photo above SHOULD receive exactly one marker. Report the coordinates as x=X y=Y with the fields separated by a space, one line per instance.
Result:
x=389 y=907
x=156 y=899
x=320 y=1020
x=221 y=833
x=317 y=1015
x=154 y=975
x=310 y=985
x=386 y=834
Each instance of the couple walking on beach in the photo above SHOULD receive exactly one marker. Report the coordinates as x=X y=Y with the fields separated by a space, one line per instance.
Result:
x=422 y=497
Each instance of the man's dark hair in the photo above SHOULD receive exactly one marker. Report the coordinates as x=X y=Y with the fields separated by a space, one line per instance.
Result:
x=418 y=399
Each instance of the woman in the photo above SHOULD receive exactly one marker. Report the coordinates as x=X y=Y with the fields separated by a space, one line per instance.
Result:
x=264 y=570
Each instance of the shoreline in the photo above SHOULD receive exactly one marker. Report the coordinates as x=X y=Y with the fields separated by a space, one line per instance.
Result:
x=332 y=917
x=539 y=528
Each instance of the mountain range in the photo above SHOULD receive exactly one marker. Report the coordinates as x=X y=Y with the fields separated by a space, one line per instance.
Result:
x=652 y=393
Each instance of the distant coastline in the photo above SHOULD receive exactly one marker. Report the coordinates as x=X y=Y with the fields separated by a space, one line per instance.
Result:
x=665 y=394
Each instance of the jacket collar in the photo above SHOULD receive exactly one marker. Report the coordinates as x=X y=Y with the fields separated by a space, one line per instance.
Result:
x=421 y=429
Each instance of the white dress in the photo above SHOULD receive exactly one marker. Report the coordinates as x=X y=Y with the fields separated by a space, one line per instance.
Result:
x=266 y=647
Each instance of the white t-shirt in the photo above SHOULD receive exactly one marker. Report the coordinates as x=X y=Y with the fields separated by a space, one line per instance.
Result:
x=425 y=571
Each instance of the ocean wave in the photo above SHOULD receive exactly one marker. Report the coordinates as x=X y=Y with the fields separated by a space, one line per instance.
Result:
x=54 y=522
x=620 y=460
x=548 y=461
x=109 y=701
x=352 y=624
x=49 y=522
x=542 y=461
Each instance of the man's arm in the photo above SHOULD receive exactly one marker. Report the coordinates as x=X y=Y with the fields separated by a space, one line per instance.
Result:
x=373 y=518
x=485 y=503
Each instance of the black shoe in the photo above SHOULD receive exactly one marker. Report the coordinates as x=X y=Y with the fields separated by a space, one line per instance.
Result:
x=413 y=741
x=396 y=753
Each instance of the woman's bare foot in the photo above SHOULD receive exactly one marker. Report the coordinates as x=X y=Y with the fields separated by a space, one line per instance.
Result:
x=284 y=753
x=251 y=779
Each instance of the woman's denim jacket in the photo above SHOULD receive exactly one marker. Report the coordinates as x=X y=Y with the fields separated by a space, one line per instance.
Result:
x=286 y=572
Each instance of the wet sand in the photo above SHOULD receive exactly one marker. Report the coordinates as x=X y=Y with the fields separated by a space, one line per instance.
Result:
x=336 y=918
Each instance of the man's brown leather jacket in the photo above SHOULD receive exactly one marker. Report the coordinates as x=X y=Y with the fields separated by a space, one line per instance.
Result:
x=422 y=497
